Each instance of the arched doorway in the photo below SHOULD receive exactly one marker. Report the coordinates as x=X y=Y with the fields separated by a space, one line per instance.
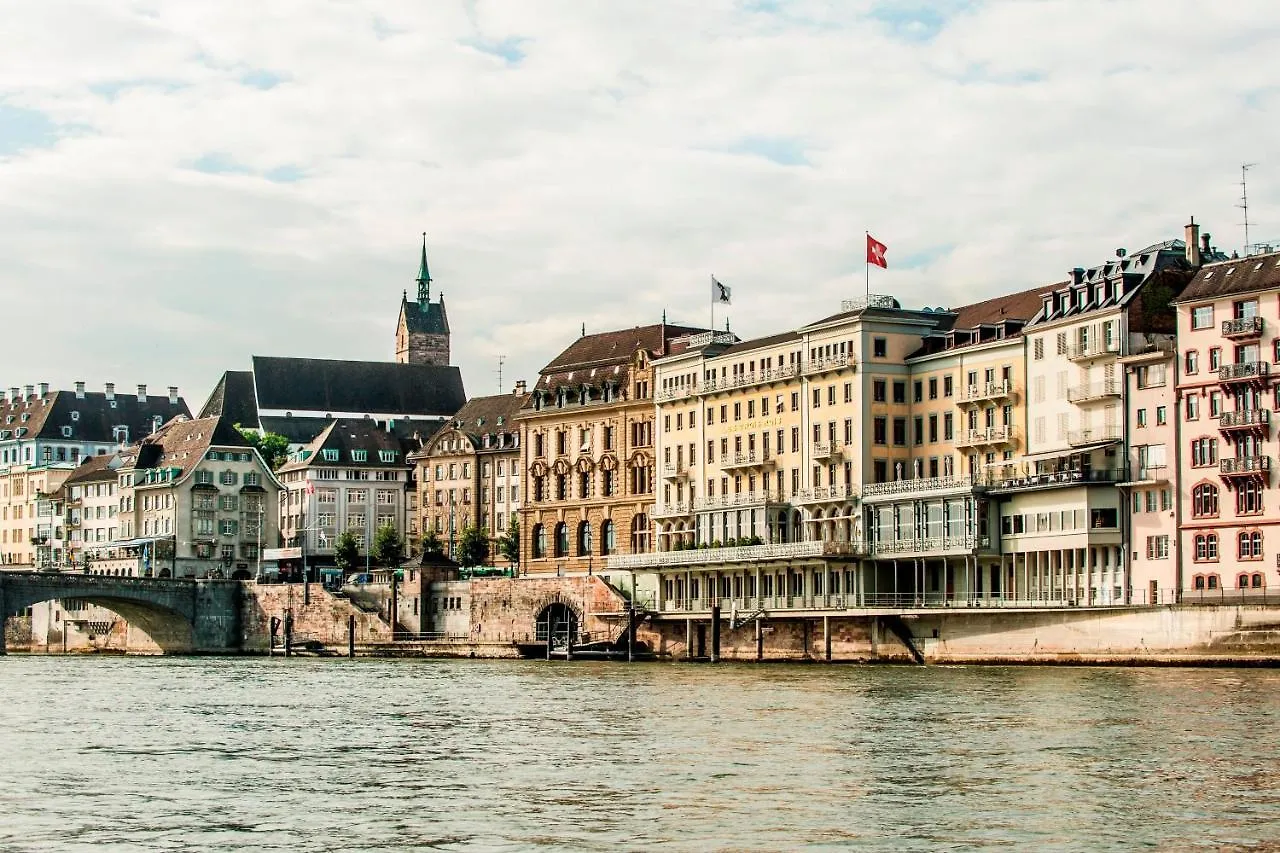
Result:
x=241 y=575
x=558 y=622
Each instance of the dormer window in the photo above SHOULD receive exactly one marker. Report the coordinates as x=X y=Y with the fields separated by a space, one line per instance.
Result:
x=66 y=432
x=329 y=454
x=387 y=455
x=75 y=416
x=359 y=456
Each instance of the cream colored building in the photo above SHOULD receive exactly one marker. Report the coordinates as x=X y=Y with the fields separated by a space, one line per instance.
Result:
x=29 y=524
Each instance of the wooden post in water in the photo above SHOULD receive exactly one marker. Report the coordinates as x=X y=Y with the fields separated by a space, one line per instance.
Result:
x=826 y=636
x=688 y=639
x=288 y=634
x=715 y=633
x=351 y=636
x=759 y=638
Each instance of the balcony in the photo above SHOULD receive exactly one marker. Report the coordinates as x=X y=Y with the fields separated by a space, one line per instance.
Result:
x=675 y=471
x=988 y=437
x=745 y=554
x=989 y=392
x=1245 y=466
x=1249 y=419
x=1146 y=475
x=746 y=380
x=1092 y=351
x=1242 y=327
x=1058 y=479
x=1149 y=352
x=1094 y=391
x=828 y=363
x=668 y=394
x=916 y=486
x=825 y=493
x=675 y=509
x=741 y=500
x=931 y=545
x=827 y=450
x=1084 y=437
x=748 y=459
x=1245 y=371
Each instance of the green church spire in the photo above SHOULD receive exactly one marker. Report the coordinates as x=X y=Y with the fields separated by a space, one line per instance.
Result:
x=424 y=275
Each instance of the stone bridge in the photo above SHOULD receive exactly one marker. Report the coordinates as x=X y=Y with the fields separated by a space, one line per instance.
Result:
x=180 y=615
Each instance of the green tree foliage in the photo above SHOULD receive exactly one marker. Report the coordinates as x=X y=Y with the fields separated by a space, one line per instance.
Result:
x=509 y=542
x=346 y=551
x=473 y=550
x=431 y=544
x=388 y=547
x=273 y=446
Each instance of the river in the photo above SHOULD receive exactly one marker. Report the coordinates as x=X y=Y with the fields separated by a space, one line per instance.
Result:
x=194 y=754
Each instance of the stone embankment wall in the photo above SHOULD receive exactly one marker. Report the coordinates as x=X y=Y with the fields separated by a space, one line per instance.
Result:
x=506 y=609
x=1189 y=634
x=17 y=633
x=325 y=618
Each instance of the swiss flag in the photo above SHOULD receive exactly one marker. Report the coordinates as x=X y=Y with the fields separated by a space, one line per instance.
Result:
x=875 y=252
x=311 y=488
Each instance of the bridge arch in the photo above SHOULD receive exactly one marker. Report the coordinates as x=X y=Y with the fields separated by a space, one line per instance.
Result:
x=162 y=610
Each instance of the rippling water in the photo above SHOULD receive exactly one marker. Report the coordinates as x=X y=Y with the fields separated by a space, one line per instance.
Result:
x=302 y=755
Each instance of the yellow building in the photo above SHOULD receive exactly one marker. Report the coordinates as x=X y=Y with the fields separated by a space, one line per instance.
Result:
x=29 y=521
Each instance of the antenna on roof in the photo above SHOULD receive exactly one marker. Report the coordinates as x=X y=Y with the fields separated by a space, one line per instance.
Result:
x=584 y=330
x=501 y=359
x=1244 y=200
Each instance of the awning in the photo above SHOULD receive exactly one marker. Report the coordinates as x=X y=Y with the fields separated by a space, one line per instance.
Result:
x=131 y=543
x=1058 y=454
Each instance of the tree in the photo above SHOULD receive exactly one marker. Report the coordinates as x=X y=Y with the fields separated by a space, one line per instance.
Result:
x=431 y=544
x=346 y=551
x=273 y=446
x=388 y=547
x=473 y=550
x=509 y=542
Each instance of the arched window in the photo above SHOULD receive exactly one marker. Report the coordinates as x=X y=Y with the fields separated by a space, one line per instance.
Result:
x=1213 y=581
x=640 y=534
x=1206 y=546
x=1204 y=501
x=608 y=538
x=1242 y=582
x=1250 y=545
x=1249 y=498
x=1198 y=582
x=584 y=538
x=539 y=541
x=1257 y=580
x=562 y=540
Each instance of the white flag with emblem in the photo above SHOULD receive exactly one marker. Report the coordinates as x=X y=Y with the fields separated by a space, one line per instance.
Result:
x=720 y=293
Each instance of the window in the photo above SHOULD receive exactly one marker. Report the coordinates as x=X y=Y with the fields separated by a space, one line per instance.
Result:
x=899 y=392
x=1162 y=415
x=227 y=478
x=359 y=456
x=878 y=390
x=1038 y=349
x=1249 y=498
x=1193 y=407
x=1250 y=546
x=948 y=426
x=228 y=503
x=1157 y=547
x=252 y=479
x=948 y=387
x=878 y=430
x=329 y=454
x=1215 y=358
x=227 y=527
x=1204 y=451
x=608 y=538
x=204 y=478
x=879 y=347
x=1191 y=362
x=584 y=538
x=1206 y=549
x=917 y=391
x=900 y=431
x=1202 y=317
x=1142 y=417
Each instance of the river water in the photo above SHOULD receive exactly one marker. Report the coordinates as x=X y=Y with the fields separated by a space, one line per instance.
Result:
x=180 y=754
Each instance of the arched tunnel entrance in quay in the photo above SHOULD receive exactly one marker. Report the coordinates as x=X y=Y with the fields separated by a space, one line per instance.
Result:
x=556 y=623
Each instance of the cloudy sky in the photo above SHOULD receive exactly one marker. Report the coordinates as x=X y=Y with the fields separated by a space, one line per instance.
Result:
x=184 y=184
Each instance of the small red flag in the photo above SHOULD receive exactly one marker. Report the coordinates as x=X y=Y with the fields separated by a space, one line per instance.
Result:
x=875 y=252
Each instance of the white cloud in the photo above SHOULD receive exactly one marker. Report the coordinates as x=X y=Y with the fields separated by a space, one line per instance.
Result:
x=228 y=179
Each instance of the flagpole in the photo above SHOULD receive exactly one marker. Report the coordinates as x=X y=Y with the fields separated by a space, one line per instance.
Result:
x=867 y=261
x=712 y=327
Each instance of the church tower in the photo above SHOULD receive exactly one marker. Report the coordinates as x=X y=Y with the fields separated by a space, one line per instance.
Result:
x=422 y=334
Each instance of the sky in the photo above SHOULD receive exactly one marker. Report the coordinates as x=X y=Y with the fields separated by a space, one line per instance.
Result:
x=186 y=184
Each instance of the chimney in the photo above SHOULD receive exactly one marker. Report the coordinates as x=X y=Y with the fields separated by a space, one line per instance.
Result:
x=1204 y=243
x=111 y=390
x=1193 y=243
x=13 y=395
x=1077 y=275
x=521 y=387
x=142 y=393
x=44 y=389
x=173 y=395
x=80 y=390
x=29 y=391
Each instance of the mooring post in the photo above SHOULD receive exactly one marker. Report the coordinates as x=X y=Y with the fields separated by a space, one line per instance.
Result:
x=568 y=645
x=688 y=639
x=715 y=633
x=351 y=636
x=288 y=634
x=826 y=636
x=759 y=638
x=631 y=630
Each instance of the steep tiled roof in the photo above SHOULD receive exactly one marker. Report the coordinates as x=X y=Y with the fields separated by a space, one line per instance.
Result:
x=233 y=398
x=1014 y=306
x=1242 y=275
x=94 y=469
x=182 y=443
x=89 y=418
x=344 y=436
x=372 y=387
x=483 y=415
x=430 y=318
x=609 y=348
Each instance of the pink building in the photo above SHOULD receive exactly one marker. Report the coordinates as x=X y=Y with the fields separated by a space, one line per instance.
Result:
x=1228 y=341
x=1151 y=470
